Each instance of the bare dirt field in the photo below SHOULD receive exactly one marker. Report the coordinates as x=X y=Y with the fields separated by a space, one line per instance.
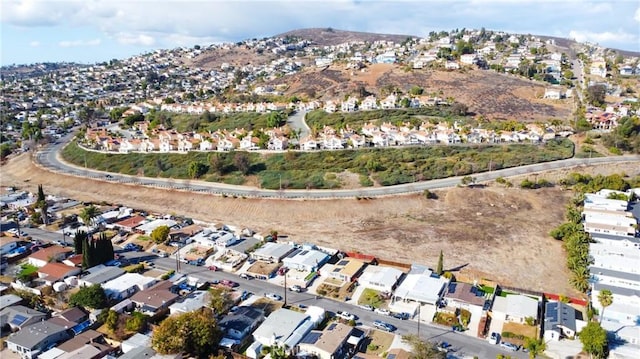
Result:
x=493 y=233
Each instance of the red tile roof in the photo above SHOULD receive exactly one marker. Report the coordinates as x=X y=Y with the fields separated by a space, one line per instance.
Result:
x=55 y=271
x=46 y=254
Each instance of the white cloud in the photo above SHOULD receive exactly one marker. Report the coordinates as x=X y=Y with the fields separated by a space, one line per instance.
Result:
x=135 y=39
x=34 y=43
x=636 y=17
x=78 y=43
x=603 y=37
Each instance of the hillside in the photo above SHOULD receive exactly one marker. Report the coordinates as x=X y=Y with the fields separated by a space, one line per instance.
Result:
x=330 y=37
x=487 y=93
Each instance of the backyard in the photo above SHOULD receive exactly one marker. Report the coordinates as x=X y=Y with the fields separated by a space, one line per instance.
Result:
x=378 y=342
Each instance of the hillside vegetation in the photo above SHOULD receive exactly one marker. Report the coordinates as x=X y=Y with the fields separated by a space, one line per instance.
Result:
x=301 y=170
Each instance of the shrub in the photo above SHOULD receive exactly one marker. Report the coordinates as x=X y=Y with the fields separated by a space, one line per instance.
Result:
x=429 y=195
x=513 y=335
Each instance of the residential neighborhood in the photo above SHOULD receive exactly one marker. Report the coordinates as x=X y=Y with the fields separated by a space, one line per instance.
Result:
x=179 y=274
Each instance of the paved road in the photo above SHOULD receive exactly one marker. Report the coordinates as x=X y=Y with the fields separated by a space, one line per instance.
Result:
x=49 y=158
x=296 y=121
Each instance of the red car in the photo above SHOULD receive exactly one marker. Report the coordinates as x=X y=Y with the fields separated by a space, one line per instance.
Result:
x=214 y=268
x=229 y=283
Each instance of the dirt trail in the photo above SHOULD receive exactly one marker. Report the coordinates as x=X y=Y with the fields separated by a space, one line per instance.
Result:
x=494 y=233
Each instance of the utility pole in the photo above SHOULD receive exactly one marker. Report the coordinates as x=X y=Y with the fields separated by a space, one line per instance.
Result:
x=285 y=289
x=419 y=318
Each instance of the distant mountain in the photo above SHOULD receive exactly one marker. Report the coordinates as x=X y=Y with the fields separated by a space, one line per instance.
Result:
x=329 y=36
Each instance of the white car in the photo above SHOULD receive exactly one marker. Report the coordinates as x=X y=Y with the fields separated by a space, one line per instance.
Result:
x=366 y=307
x=494 y=338
x=273 y=296
x=346 y=316
x=382 y=311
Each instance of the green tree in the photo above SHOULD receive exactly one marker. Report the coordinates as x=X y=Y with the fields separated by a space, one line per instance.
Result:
x=216 y=161
x=160 y=234
x=137 y=322
x=41 y=195
x=195 y=333
x=605 y=298
x=79 y=240
x=88 y=259
x=416 y=91
x=421 y=349
x=596 y=94
x=580 y=279
x=242 y=162
x=535 y=347
x=112 y=320
x=88 y=214
x=594 y=340
x=92 y=297
x=220 y=299
x=275 y=119
x=440 y=267
x=197 y=169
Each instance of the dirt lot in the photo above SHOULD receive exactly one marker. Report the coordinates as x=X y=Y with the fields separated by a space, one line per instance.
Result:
x=495 y=233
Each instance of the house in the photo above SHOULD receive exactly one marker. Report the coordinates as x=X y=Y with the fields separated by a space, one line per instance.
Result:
x=147 y=228
x=329 y=343
x=8 y=300
x=626 y=70
x=135 y=341
x=100 y=275
x=36 y=338
x=305 y=259
x=279 y=326
x=126 y=285
x=130 y=223
x=515 y=308
x=421 y=285
x=347 y=269
x=86 y=345
x=53 y=272
x=463 y=296
x=69 y=318
x=192 y=301
x=272 y=252
x=380 y=278
x=552 y=93
x=239 y=324
x=155 y=298
x=49 y=254
x=250 y=143
x=559 y=321
x=7 y=244
x=19 y=316
x=308 y=144
x=278 y=143
x=469 y=59
x=332 y=143
x=598 y=68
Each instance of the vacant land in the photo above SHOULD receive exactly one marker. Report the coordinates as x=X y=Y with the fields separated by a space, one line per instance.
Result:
x=495 y=233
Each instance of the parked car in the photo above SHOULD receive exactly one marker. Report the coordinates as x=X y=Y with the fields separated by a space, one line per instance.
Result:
x=132 y=247
x=509 y=346
x=246 y=276
x=366 y=307
x=346 y=316
x=444 y=347
x=245 y=295
x=403 y=315
x=494 y=338
x=229 y=283
x=382 y=311
x=213 y=268
x=384 y=326
x=295 y=288
x=273 y=296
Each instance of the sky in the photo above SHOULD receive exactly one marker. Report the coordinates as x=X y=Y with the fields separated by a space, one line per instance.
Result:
x=90 y=31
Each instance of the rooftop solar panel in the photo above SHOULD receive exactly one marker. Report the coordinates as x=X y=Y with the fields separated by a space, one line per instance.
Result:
x=18 y=319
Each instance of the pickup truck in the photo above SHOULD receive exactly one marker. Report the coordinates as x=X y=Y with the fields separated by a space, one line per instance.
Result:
x=346 y=316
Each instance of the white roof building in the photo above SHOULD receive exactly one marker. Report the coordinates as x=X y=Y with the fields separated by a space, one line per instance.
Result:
x=194 y=301
x=515 y=308
x=308 y=260
x=147 y=228
x=421 y=285
x=272 y=252
x=380 y=278
x=279 y=326
x=126 y=285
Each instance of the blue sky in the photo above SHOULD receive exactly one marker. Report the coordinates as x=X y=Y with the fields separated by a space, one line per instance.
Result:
x=89 y=31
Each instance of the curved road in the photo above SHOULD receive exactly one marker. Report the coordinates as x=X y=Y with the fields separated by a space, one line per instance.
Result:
x=51 y=160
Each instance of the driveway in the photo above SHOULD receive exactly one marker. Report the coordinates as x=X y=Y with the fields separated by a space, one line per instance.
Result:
x=296 y=121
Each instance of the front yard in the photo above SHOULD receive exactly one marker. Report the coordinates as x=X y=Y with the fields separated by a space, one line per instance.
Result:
x=516 y=333
x=378 y=342
x=371 y=297
x=339 y=293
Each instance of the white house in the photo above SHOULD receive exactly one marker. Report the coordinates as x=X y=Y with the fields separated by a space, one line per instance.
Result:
x=126 y=285
x=380 y=278
x=305 y=259
x=515 y=308
x=421 y=285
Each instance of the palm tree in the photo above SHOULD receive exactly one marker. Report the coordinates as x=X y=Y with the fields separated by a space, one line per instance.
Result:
x=580 y=279
x=605 y=297
x=88 y=214
x=535 y=347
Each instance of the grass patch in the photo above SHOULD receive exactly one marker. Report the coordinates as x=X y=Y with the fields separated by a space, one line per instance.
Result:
x=371 y=297
x=487 y=289
x=447 y=319
x=268 y=306
x=308 y=170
